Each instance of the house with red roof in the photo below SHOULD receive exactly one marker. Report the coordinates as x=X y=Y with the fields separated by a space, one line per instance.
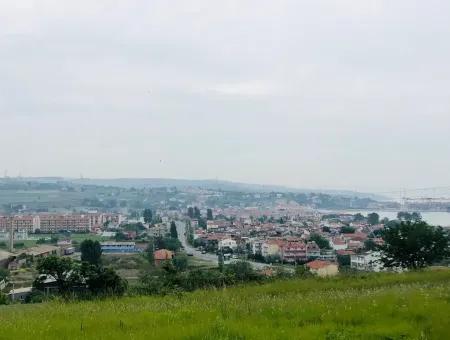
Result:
x=323 y=268
x=162 y=255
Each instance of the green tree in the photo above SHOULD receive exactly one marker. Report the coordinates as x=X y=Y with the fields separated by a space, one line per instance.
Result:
x=209 y=215
x=326 y=229
x=91 y=252
x=202 y=223
x=347 y=230
x=104 y=281
x=148 y=215
x=62 y=269
x=343 y=260
x=370 y=244
x=173 y=230
x=180 y=261
x=3 y=299
x=321 y=241
x=4 y=273
x=413 y=245
x=416 y=216
x=190 y=212
x=149 y=252
x=373 y=219
x=197 y=213
x=220 y=262
x=358 y=217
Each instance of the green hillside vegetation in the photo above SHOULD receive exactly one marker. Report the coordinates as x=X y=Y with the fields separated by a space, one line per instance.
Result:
x=412 y=305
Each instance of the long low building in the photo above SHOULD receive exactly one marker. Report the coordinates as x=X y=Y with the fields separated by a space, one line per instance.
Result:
x=119 y=247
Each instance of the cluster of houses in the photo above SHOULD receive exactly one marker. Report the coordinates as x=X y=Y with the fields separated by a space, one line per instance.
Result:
x=289 y=239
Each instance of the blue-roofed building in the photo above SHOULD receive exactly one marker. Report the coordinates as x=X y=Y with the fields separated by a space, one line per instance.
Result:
x=119 y=247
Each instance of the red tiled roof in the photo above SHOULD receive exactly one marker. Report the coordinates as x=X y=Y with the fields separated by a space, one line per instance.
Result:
x=163 y=254
x=317 y=264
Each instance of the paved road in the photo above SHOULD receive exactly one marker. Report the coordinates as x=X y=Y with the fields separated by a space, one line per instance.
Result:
x=181 y=229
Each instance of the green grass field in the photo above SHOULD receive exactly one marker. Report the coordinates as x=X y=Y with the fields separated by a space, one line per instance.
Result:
x=375 y=306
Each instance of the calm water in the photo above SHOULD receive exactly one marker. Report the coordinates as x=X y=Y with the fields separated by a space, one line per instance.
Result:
x=433 y=218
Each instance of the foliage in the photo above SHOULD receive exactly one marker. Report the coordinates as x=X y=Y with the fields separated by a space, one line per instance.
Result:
x=358 y=217
x=347 y=230
x=73 y=278
x=91 y=252
x=190 y=212
x=414 y=245
x=61 y=269
x=189 y=233
x=149 y=252
x=197 y=213
x=326 y=229
x=303 y=271
x=321 y=241
x=167 y=243
x=343 y=260
x=148 y=215
x=370 y=306
x=202 y=223
x=373 y=219
x=120 y=236
x=4 y=273
x=104 y=281
x=209 y=214
x=136 y=227
x=173 y=230
x=370 y=244
x=180 y=261
x=3 y=299
x=406 y=216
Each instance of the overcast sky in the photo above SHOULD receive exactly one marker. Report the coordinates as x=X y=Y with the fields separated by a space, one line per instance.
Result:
x=318 y=94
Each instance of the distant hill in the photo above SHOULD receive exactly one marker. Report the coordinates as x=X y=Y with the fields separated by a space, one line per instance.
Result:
x=214 y=185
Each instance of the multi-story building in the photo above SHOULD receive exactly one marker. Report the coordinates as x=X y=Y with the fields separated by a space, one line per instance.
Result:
x=51 y=223
x=28 y=223
x=293 y=252
x=312 y=250
x=271 y=248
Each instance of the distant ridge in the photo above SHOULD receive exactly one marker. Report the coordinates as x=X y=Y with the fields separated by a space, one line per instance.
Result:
x=212 y=184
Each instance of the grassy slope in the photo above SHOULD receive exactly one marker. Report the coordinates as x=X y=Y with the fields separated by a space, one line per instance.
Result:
x=384 y=306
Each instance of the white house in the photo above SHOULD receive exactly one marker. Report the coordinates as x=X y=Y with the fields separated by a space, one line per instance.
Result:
x=227 y=242
x=369 y=261
x=338 y=243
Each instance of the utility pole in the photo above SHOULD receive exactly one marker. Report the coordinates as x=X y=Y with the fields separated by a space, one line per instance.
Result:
x=11 y=234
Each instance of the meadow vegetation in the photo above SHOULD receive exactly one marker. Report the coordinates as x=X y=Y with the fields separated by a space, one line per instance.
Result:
x=414 y=305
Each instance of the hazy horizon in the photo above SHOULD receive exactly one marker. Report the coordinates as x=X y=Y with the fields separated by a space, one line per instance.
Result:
x=344 y=95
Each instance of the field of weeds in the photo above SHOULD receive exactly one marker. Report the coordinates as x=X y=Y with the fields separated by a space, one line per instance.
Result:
x=372 y=306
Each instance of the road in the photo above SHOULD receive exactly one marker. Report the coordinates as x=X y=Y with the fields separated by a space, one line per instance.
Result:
x=181 y=229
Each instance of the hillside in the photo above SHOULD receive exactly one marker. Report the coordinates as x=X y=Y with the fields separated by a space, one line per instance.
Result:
x=375 y=306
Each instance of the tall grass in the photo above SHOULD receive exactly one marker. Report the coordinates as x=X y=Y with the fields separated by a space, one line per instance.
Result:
x=373 y=306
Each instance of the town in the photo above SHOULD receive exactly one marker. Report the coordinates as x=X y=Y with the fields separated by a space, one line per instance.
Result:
x=278 y=238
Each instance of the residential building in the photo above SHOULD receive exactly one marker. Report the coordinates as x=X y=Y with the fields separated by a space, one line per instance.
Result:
x=293 y=252
x=43 y=250
x=323 y=268
x=119 y=247
x=369 y=261
x=338 y=243
x=228 y=242
x=52 y=223
x=162 y=255
x=312 y=250
x=271 y=248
